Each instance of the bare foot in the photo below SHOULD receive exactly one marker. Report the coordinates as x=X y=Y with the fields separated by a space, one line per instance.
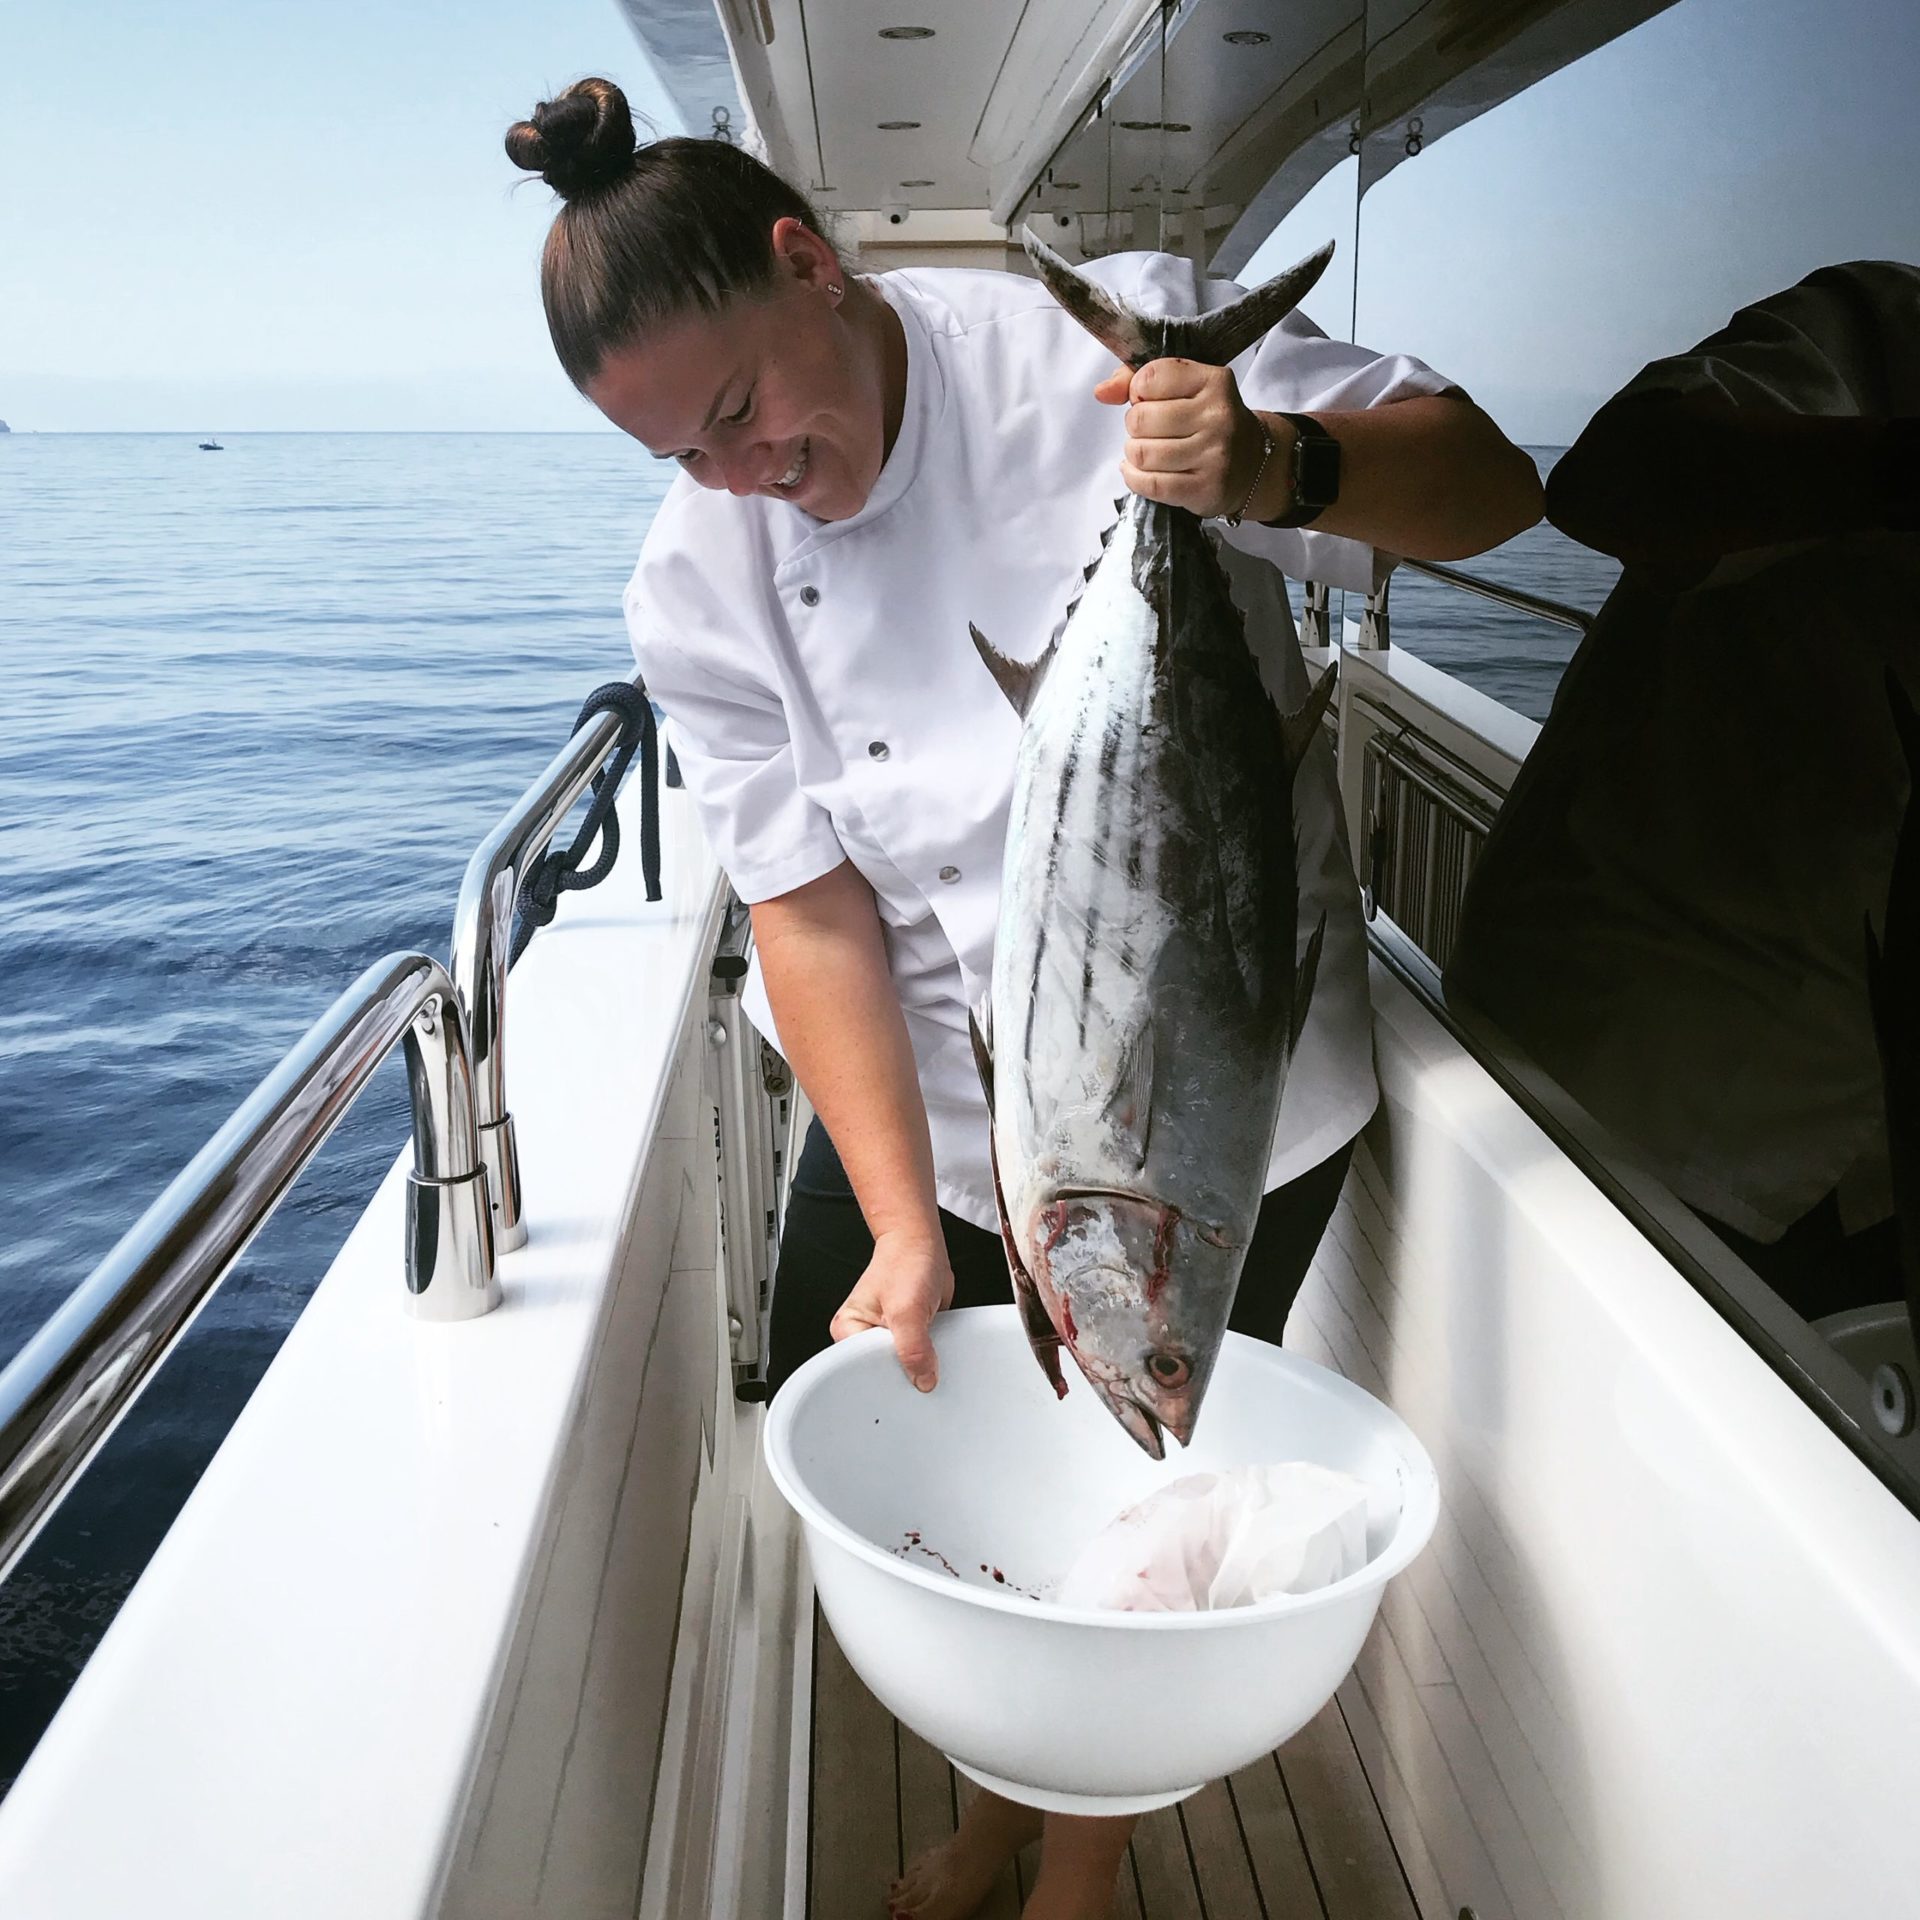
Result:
x=949 y=1881
x=1080 y=1862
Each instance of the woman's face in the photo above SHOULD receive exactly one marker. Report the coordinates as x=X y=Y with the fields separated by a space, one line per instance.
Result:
x=778 y=394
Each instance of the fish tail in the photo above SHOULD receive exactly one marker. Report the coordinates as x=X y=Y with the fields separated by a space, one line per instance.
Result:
x=1214 y=339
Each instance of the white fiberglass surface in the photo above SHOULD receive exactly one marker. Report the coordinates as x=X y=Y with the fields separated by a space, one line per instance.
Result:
x=287 y=1713
x=1662 y=1654
x=991 y=1484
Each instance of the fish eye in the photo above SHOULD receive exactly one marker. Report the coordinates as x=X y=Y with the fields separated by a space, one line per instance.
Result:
x=1169 y=1369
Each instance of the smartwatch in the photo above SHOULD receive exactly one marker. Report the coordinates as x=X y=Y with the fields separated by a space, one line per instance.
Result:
x=1314 y=471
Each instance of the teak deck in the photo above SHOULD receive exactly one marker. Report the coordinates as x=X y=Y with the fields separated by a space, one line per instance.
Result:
x=1296 y=1836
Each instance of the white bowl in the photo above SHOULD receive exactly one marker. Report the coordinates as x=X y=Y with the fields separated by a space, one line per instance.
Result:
x=913 y=1503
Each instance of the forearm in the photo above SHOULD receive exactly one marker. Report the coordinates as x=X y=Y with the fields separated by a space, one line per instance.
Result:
x=1674 y=480
x=823 y=957
x=1430 y=478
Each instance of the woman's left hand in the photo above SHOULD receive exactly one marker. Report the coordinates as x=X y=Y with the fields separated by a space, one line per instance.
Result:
x=1191 y=440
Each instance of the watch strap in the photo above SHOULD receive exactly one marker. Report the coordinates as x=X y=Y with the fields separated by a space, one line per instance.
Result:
x=1313 y=468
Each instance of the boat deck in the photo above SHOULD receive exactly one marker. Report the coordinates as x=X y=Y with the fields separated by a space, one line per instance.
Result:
x=1296 y=1836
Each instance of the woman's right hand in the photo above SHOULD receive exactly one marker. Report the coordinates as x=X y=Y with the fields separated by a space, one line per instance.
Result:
x=906 y=1283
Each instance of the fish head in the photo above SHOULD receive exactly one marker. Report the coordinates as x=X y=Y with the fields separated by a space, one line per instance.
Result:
x=1132 y=1289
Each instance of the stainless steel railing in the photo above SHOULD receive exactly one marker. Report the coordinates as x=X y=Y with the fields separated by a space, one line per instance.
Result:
x=69 y=1387
x=1316 y=626
x=482 y=941
x=1517 y=598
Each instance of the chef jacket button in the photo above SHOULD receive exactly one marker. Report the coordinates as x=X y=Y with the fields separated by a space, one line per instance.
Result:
x=949 y=874
x=877 y=749
x=809 y=596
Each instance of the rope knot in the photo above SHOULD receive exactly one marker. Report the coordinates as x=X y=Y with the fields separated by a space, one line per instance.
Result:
x=559 y=871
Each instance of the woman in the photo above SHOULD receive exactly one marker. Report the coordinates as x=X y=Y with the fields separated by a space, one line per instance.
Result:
x=869 y=466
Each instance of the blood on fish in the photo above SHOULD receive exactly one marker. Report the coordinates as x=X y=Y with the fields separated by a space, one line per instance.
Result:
x=1067 y=1327
x=1055 y=1217
x=1162 y=1252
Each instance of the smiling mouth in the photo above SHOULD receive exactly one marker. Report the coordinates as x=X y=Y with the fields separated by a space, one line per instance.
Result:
x=797 y=472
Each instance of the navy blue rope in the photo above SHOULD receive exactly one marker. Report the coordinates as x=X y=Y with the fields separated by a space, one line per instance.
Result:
x=557 y=872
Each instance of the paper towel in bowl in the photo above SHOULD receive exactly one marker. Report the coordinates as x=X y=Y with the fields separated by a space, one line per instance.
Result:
x=1226 y=1539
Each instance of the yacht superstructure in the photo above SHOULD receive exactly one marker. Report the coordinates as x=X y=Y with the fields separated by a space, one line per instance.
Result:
x=495 y=1613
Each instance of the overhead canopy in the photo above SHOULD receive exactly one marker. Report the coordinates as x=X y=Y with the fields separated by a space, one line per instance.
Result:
x=936 y=130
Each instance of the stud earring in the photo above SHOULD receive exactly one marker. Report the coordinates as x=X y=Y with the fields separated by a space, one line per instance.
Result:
x=834 y=288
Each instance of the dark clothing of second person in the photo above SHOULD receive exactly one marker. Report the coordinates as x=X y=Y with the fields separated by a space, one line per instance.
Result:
x=1669 y=913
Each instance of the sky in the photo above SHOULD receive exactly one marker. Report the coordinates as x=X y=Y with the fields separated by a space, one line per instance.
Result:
x=1625 y=207
x=223 y=216
x=220 y=215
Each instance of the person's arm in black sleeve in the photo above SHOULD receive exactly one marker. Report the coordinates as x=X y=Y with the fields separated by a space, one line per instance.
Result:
x=1668 y=483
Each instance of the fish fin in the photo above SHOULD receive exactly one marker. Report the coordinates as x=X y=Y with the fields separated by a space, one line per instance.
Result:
x=1303 y=986
x=979 y=1026
x=1127 y=335
x=1297 y=729
x=1042 y=1335
x=1129 y=1106
x=1019 y=680
x=1211 y=338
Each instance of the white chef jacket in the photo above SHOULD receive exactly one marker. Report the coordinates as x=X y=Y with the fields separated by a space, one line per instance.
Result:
x=1668 y=914
x=826 y=702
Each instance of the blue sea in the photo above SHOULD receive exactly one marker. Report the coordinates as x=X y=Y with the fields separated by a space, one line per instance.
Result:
x=261 y=704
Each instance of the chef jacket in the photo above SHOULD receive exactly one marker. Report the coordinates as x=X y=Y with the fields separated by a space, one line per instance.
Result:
x=826 y=702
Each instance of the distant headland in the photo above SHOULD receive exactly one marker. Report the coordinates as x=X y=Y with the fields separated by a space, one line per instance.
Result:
x=4 y=428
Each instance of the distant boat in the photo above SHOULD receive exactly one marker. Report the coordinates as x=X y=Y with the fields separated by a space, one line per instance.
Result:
x=211 y=446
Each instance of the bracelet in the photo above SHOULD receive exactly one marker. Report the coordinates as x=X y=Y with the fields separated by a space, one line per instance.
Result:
x=1266 y=454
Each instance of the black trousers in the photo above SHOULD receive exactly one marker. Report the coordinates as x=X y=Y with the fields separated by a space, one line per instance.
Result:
x=825 y=1248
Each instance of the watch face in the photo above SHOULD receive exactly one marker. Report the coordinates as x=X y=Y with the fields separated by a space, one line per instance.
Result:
x=1316 y=473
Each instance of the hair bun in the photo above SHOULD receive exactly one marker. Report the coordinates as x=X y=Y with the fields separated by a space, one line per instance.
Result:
x=579 y=141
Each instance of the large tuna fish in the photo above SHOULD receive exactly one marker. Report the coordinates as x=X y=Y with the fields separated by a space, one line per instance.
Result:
x=1145 y=1002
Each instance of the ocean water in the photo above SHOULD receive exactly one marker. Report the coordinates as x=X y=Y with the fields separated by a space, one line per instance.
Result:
x=260 y=706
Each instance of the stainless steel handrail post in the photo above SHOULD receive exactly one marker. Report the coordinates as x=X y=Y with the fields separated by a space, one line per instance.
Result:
x=69 y=1387
x=1376 y=627
x=1316 y=614
x=482 y=944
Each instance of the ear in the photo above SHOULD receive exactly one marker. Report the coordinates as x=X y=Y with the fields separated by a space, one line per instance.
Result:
x=804 y=255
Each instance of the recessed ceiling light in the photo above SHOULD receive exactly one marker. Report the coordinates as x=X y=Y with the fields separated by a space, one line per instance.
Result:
x=1246 y=37
x=1156 y=126
x=1065 y=186
x=919 y=183
x=896 y=126
x=906 y=33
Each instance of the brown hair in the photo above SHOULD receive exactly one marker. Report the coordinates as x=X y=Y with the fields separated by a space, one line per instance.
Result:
x=649 y=234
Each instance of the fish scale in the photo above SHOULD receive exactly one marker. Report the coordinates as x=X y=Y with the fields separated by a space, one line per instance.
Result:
x=1149 y=921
